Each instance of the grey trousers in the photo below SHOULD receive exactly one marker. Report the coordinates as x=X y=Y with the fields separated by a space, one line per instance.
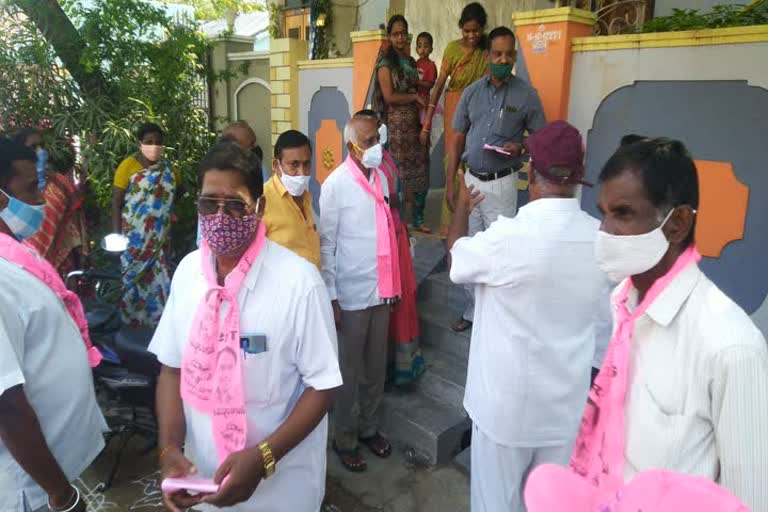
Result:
x=363 y=339
x=499 y=473
x=500 y=199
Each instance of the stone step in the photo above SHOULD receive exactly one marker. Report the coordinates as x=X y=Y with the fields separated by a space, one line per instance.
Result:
x=439 y=289
x=429 y=255
x=445 y=377
x=463 y=460
x=435 y=322
x=431 y=428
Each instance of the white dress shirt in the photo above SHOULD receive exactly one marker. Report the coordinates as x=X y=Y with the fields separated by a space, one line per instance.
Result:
x=540 y=298
x=348 y=239
x=284 y=298
x=41 y=349
x=697 y=401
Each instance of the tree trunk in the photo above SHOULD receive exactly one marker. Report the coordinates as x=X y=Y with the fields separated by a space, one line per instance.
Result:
x=58 y=30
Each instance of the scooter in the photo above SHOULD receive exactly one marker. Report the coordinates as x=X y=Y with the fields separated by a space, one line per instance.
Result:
x=128 y=372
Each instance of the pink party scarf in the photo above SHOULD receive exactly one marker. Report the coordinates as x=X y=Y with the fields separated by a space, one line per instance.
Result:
x=552 y=488
x=386 y=240
x=28 y=259
x=212 y=364
x=598 y=454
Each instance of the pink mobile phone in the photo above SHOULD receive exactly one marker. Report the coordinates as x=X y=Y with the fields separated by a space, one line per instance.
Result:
x=194 y=485
x=497 y=149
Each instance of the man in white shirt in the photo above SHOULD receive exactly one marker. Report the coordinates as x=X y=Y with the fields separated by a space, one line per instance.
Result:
x=540 y=301
x=697 y=375
x=348 y=247
x=50 y=425
x=285 y=353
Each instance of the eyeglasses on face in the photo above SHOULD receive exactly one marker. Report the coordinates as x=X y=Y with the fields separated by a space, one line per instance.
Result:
x=237 y=208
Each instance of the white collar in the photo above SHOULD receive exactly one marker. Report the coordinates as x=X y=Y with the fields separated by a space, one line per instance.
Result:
x=669 y=302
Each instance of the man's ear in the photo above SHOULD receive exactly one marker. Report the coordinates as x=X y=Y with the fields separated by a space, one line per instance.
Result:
x=486 y=54
x=531 y=176
x=680 y=224
x=262 y=205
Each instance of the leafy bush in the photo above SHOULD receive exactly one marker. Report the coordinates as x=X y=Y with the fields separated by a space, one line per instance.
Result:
x=721 y=16
x=155 y=69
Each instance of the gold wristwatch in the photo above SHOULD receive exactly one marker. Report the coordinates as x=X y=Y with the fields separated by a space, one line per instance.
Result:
x=269 y=459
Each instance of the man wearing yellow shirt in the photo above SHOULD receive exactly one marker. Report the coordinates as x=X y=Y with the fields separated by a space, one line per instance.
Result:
x=288 y=214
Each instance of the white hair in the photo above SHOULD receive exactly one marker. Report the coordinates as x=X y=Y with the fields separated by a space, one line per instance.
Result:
x=350 y=132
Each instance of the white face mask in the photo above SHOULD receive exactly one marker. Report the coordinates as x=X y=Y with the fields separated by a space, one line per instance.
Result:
x=383 y=134
x=295 y=185
x=621 y=257
x=372 y=157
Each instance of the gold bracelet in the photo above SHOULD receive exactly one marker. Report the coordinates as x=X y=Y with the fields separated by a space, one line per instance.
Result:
x=426 y=130
x=164 y=451
x=268 y=458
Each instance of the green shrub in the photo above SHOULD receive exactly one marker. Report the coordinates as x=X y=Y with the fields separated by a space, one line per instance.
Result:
x=721 y=16
x=156 y=72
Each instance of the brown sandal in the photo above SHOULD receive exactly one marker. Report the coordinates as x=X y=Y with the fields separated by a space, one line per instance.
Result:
x=351 y=459
x=378 y=445
x=461 y=325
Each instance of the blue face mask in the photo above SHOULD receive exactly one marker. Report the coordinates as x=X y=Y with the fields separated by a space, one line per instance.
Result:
x=42 y=160
x=21 y=218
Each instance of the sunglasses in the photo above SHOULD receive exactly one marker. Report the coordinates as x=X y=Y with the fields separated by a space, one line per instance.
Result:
x=233 y=207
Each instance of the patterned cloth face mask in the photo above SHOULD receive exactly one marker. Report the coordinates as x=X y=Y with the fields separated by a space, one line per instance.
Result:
x=226 y=233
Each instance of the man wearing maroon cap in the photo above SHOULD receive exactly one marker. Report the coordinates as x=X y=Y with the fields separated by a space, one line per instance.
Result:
x=542 y=304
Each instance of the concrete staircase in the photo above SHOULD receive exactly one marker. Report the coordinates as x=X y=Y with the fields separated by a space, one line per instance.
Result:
x=428 y=417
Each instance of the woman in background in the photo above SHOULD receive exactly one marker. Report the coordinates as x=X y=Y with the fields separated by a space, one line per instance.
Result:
x=142 y=206
x=396 y=100
x=62 y=238
x=464 y=63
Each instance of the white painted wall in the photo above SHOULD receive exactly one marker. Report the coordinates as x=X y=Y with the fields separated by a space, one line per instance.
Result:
x=309 y=82
x=596 y=74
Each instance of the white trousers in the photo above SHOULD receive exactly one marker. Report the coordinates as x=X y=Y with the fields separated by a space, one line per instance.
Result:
x=500 y=199
x=499 y=473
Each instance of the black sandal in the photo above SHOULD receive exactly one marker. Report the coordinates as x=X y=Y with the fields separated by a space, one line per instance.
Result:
x=461 y=325
x=378 y=445
x=351 y=459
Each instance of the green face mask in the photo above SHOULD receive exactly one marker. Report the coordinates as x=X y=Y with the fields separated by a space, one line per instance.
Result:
x=500 y=71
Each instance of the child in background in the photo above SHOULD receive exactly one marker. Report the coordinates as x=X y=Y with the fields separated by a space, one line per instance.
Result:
x=425 y=67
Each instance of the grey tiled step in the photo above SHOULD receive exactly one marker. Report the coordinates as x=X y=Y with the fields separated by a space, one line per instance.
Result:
x=435 y=322
x=463 y=460
x=439 y=289
x=429 y=254
x=430 y=427
x=445 y=377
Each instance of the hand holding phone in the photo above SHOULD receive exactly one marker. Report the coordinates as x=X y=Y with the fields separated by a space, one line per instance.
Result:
x=497 y=149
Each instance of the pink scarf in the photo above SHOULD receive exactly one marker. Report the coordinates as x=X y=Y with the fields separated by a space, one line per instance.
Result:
x=386 y=238
x=212 y=364
x=598 y=454
x=28 y=259
x=552 y=488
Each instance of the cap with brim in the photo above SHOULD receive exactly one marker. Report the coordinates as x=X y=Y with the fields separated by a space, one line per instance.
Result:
x=557 y=153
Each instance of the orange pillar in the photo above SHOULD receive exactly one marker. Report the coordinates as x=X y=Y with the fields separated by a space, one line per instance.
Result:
x=365 y=50
x=544 y=40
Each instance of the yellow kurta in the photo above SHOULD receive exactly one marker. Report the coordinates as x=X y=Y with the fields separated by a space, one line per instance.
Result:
x=287 y=225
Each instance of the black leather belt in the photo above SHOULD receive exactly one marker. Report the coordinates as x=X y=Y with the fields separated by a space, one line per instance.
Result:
x=490 y=176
